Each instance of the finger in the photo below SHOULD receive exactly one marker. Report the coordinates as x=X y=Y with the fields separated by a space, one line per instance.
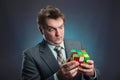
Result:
x=70 y=65
x=86 y=70
x=90 y=62
x=89 y=72
x=67 y=64
x=69 y=59
x=87 y=66
x=72 y=73
x=73 y=64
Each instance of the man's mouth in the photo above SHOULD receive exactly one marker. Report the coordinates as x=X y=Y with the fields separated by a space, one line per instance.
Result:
x=58 y=38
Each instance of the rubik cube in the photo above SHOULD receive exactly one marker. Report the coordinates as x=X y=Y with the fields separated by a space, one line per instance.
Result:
x=79 y=55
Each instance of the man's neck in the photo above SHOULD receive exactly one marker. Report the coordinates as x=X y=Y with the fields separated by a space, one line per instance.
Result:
x=53 y=44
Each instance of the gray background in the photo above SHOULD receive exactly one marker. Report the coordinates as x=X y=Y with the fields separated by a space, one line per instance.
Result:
x=94 y=22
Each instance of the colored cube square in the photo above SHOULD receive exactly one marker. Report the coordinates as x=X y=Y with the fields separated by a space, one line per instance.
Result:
x=83 y=50
x=73 y=50
x=76 y=58
x=81 y=59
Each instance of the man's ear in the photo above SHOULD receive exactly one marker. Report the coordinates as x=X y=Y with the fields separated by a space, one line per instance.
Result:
x=41 y=29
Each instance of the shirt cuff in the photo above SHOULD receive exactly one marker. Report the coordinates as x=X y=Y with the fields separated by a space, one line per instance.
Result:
x=55 y=76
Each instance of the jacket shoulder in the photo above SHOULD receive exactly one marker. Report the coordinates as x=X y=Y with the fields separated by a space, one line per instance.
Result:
x=34 y=48
x=33 y=51
x=73 y=44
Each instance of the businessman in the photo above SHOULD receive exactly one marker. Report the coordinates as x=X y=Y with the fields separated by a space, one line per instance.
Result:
x=49 y=60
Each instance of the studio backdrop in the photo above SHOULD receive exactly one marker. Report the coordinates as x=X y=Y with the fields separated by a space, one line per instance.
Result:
x=93 y=22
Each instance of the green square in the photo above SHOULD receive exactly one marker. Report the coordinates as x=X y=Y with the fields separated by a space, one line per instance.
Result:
x=79 y=52
x=75 y=55
x=84 y=52
x=73 y=50
x=86 y=58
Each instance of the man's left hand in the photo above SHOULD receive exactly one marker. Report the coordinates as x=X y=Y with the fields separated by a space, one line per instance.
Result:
x=88 y=68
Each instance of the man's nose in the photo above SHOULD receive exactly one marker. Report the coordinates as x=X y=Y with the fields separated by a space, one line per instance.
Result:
x=57 y=32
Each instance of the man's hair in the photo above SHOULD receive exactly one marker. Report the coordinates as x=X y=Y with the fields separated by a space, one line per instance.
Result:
x=48 y=12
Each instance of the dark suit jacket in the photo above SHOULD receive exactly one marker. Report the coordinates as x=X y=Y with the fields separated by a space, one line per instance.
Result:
x=40 y=64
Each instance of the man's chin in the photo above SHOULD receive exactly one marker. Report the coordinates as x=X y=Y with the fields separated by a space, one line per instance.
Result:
x=57 y=42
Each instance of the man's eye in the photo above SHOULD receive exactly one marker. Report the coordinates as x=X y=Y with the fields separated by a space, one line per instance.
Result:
x=51 y=29
x=61 y=27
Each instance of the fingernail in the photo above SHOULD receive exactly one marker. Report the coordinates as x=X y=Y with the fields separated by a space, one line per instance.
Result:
x=81 y=64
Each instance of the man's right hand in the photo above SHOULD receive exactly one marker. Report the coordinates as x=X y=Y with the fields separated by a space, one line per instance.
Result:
x=68 y=70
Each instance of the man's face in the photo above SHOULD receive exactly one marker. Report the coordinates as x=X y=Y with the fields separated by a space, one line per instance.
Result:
x=54 y=31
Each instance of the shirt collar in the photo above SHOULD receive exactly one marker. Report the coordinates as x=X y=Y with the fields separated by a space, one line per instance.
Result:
x=53 y=46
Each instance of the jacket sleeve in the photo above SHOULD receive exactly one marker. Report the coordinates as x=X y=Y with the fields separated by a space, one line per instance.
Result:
x=95 y=77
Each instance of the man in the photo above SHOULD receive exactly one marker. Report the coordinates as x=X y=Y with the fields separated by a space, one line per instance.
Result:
x=43 y=61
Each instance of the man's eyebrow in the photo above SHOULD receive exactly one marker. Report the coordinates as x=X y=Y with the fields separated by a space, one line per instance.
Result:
x=50 y=26
x=61 y=25
x=54 y=27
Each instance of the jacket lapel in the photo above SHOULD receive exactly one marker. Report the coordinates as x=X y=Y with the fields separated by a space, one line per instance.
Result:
x=48 y=57
x=67 y=48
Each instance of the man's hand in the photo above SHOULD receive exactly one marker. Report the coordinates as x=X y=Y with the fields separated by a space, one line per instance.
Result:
x=87 y=69
x=68 y=70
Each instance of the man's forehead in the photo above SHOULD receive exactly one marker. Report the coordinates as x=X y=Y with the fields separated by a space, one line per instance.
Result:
x=54 y=22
